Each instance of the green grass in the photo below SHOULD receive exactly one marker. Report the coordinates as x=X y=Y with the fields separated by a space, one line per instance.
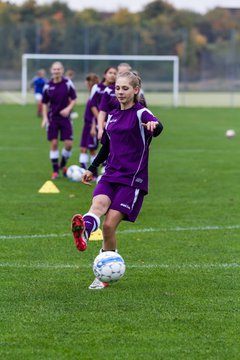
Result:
x=179 y=298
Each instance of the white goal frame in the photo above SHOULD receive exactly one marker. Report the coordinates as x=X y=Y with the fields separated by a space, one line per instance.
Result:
x=171 y=58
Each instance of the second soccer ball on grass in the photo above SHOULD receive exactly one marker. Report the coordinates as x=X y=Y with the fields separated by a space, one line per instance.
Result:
x=230 y=133
x=75 y=173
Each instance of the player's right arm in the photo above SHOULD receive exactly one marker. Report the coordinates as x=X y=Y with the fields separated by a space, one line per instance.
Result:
x=45 y=101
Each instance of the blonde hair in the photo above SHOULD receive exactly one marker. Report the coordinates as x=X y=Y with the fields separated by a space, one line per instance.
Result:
x=58 y=63
x=134 y=80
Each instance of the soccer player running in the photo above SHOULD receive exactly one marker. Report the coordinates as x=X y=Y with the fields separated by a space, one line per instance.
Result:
x=125 y=145
x=108 y=80
x=59 y=98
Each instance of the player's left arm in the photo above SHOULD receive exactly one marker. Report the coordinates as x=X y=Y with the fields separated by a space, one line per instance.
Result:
x=151 y=123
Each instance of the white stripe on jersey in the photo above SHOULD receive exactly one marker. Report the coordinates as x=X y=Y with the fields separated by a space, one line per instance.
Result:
x=94 y=90
x=46 y=87
x=135 y=197
x=107 y=90
x=141 y=128
x=70 y=84
x=108 y=121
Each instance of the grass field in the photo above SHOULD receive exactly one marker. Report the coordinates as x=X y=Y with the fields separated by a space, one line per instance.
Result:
x=179 y=298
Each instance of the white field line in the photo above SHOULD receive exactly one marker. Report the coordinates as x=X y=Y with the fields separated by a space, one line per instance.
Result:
x=46 y=266
x=128 y=231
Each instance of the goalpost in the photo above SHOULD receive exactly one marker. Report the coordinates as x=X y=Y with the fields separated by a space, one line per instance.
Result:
x=121 y=58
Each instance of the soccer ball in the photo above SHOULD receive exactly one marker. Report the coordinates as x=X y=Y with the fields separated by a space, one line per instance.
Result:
x=74 y=115
x=230 y=133
x=75 y=173
x=109 y=266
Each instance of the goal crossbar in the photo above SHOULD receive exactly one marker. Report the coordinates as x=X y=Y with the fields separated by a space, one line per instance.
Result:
x=171 y=58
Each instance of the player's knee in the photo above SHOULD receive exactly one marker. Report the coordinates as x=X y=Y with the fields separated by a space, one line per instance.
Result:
x=108 y=228
x=98 y=208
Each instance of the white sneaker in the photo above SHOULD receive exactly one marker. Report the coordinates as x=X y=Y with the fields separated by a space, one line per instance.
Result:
x=97 y=285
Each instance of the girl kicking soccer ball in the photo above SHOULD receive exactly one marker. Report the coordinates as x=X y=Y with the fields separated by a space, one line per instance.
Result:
x=125 y=147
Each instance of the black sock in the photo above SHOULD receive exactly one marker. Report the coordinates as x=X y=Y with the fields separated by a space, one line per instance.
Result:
x=63 y=162
x=55 y=165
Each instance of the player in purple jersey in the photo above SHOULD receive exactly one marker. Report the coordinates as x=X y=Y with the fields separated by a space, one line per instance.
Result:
x=109 y=78
x=37 y=84
x=59 y=98
x=125 y=145
x=89 y=141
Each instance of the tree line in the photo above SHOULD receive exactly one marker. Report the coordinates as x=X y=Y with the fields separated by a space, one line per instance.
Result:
x=211 y=39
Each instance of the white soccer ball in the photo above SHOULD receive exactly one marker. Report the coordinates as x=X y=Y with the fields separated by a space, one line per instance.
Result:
x=74 y=115
x=230 y=133
x=109 y=266
x=75 y=173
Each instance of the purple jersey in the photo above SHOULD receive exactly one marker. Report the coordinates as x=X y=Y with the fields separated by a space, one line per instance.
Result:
x=109 y=102
x=57 y=95
x=96 y=98
x=127 y=162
